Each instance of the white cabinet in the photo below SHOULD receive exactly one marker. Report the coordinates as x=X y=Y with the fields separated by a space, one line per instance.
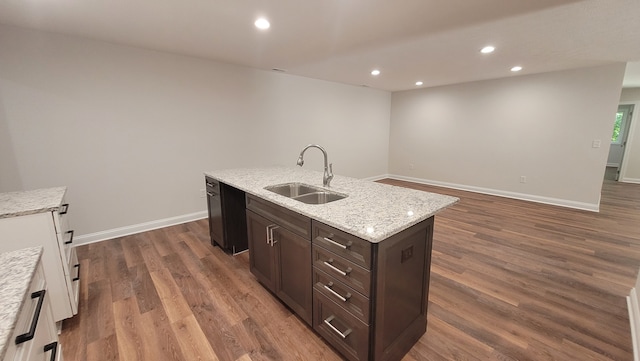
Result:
x=48 y=228
x=35 y=325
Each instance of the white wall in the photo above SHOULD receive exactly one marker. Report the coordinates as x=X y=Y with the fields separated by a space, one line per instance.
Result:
x=631 y=163
x=485 y=135
x=131 y=131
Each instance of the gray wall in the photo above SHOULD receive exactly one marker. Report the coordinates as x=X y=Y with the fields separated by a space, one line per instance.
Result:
x=131 y=131
x=631 y=163
x=485 y=135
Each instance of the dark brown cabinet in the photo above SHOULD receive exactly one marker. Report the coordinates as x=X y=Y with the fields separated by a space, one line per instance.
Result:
x=368 y=300
x=261 y=254
x=279 y=257
x=227 y=220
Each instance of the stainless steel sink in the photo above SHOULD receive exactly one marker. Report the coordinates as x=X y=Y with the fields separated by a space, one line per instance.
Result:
x=305 y=193
x=320 y=197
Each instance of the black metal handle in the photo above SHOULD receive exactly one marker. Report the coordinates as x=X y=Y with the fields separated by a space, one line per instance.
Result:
x=53 y=347
x=78 y=277
x=70 y=238
x=34 y=322
x=66 y=208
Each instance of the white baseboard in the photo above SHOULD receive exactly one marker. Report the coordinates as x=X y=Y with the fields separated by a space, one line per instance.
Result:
x=634 y=319
x=376 y=178
x=137 y=228
x=630 y=180
x=613 y=165
x=496 y=192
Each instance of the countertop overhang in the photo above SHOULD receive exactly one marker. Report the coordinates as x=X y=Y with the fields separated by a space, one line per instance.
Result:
x=372 y=211
x=14 y=204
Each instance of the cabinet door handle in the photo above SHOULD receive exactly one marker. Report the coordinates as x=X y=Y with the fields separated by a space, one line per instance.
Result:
x=77 y=278
x=53 y=347
x=210 y=194
x=273 y=240
x=212 y=185
x=65 y=207
x=34 y=321
x=328 y=323
x=336 y=243
x=269 y=233
x=328 y=264
x=70 y=238
x=340 y=297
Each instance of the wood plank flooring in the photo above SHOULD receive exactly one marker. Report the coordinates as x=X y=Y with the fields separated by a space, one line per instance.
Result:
x=510 y=280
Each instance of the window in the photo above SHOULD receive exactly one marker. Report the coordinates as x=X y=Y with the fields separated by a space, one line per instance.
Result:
x=615 y=138
x=620 y=126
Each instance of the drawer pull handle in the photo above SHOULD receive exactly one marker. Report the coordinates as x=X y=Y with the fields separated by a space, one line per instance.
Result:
x=65 y=207
x=211 y=185
x=336 y=243
x=210 y=194
x=77 y=278
x=328 y=323
x=53 y=347
x=70 y=238
x=328 y=264
x=34 y=321
x=340 y=297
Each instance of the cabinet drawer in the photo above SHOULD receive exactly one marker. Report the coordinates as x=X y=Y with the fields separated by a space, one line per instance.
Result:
x=346 y=245
x=345 y=271
x=27 y=349
x=61 y=218
x=295 y=222
x=347 y=298
x=346 y=333
x=73 y=280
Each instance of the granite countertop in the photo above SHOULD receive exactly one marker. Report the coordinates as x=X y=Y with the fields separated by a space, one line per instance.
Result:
x=372 y=211
x=13 y=204
x=18 y=268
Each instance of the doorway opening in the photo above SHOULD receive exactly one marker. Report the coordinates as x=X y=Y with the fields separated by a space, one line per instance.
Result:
x=618 y=141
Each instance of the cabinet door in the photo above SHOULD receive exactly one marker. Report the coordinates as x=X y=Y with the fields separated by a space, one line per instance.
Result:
x=261 y=254
x=294 y=283
x=215 y=218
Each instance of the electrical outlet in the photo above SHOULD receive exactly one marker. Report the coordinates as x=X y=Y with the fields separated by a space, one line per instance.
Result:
x=523 y=179
x=596 y=143
x=411 y=166
x=203 y=193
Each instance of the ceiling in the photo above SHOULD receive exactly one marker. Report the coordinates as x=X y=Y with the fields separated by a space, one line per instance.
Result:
x=433 y=41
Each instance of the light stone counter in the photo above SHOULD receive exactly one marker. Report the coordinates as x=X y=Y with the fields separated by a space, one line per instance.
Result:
x=16 y=271
x=372 y=211
x=13 y=204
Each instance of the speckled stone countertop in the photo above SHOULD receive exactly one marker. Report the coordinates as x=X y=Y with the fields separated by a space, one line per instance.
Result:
x=372 y=211
x=13 y=204
x=16 y=271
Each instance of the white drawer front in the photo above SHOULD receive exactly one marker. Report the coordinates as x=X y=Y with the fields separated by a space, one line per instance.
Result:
x=72 y=274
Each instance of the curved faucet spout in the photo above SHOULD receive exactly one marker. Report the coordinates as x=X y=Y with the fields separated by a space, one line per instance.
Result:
x=328 y=168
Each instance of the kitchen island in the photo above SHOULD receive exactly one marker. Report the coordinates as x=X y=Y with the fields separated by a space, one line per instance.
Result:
x=355 y=269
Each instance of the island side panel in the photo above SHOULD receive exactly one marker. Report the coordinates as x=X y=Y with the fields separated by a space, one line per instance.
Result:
x=402 y=290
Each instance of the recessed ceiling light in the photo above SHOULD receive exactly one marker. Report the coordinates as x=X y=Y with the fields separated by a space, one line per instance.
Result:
x=262 y=24
x=516 y=68
x=375 y=72
x=487 y=49
x=418 y=83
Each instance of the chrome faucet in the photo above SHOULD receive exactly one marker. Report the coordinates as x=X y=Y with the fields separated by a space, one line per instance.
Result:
x=328 y=168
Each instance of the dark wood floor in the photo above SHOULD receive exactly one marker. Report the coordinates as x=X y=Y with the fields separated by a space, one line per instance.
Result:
x=510 y=280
